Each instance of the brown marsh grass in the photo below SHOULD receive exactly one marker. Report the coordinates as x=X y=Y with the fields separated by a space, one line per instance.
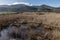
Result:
x=48 y=21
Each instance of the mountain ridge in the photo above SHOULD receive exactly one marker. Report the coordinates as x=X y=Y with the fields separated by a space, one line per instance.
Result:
x=27 y=8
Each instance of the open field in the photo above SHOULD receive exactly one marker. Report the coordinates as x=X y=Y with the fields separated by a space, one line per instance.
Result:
x=30 y=26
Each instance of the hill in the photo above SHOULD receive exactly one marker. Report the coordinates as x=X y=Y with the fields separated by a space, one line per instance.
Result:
x=26 y=8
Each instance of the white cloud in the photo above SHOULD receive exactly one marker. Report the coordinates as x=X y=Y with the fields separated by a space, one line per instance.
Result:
x=17 y=3
x=21 y=3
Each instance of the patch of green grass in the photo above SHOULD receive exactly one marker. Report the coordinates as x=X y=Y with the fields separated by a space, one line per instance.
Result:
x=7 y=13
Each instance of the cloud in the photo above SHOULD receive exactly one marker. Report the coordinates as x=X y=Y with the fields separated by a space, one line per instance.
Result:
x=21 y=3
x=16 y=3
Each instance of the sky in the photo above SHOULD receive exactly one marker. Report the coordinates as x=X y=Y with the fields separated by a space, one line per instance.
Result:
x=55 y=3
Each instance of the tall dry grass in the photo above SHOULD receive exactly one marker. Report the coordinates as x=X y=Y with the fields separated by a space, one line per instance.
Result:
x=49 y=23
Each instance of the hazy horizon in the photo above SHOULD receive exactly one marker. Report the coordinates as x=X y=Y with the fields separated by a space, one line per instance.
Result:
x=54 y=3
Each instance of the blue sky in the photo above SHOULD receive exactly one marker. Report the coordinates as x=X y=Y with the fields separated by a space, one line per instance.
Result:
x=55 y=3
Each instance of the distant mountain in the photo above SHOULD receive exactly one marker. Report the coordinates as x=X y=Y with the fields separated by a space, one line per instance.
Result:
x=45 y=8
x=16 y=8
x=27 y=8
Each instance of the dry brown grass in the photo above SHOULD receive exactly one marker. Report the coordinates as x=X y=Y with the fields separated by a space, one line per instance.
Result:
x=50 y=22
